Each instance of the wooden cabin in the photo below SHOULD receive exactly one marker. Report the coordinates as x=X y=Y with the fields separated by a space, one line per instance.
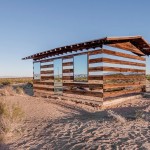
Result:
x=114 y=67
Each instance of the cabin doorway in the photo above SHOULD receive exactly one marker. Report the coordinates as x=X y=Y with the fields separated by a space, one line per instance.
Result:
x=58 y=88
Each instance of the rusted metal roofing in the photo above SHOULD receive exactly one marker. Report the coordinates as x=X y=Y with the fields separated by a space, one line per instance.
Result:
x=135 y=44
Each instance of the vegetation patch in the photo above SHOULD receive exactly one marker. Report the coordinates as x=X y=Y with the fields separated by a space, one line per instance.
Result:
x=148 y=77
x=8 y=81
x=11 y=117
x=20 y=90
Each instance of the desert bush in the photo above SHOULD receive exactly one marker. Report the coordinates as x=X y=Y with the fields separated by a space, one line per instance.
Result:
x=10 y=118
x=5 y=83
x=19 y=90
x=30 y=84
x=148 y=77
x=119 y=118
x=143 y=114
x=15 y=80
x=7 y=91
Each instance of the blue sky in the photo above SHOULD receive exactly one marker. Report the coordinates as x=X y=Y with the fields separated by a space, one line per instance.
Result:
x=31 y=26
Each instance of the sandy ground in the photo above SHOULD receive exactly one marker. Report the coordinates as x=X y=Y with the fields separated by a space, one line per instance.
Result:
x=62 y=125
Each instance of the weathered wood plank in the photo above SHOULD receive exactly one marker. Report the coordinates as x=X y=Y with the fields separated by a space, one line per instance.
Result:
x=43 y=88
x=122 y=62
x=109 y=52
x=135 y=84
x=67 y=70
x=95 y=60
x=95 y=69
x=47 y=72
x=86 y=93
x=95 y=77
x=95 y=52
x=47 y=77
x=137 y=76
x=46 y=60
x=47 y=66
x=67 y=64
x=43 y=83
x=86 y=85
x=68 y=57
x=117 y=69
x=128 y=47
x=120 y=93
x=68 y=78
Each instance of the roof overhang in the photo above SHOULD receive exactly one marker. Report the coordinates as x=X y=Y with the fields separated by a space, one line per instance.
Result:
x=135 y=44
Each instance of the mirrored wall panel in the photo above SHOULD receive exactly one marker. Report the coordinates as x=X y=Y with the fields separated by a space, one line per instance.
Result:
x=81 y=68
x=37 y=70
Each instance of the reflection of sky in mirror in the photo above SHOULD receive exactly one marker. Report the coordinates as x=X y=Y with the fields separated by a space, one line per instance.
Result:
x=58 y=67
x=36 y=68
x=80 y=64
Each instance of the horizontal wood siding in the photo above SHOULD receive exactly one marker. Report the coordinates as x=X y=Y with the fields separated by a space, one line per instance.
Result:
x=108 y=77
x=95 y=86
x=43 y=83
x=123 y=83
x=86 y=93
x=47 y=77
x=67 y=70
x=47 y=72
x=109 y=52
x=128 y=77
x=117 y=69
x=120 y=93
x=95 y=77
x=47 y=66
x=134 y=84
x=114 y=61
x=95 y=69
x=67 y=77
x=43 y=88
x=67 y=64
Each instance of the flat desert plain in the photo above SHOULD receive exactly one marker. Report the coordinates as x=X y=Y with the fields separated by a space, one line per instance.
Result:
x=55 y=124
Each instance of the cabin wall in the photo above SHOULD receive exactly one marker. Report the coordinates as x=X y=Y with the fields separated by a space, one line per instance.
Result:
x=111 y=73
x=124 y=73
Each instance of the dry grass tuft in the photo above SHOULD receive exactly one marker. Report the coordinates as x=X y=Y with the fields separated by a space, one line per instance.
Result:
x=119 y=118
x=11 y=117
x=7 y=91
x=19 y=90
x=11 y=91
x=143 y=114
x=8 y=81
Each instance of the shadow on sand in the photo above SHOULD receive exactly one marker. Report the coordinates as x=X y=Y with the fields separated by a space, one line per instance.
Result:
x=88 y=130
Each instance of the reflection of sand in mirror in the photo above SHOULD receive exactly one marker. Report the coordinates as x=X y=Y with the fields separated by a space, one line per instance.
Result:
x=81 y=68
x=58 y=76
x=37 y=70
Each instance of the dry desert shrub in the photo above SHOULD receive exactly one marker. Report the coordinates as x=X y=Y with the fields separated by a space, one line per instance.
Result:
x=119 y=118
x=10 y=91
x=8 y=81
x=5 y=83
x=7 y=91
x=11 y=117
x=19 y=90
x=143 y=114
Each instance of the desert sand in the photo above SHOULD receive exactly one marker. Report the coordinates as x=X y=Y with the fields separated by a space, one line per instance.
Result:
x=54 y=124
